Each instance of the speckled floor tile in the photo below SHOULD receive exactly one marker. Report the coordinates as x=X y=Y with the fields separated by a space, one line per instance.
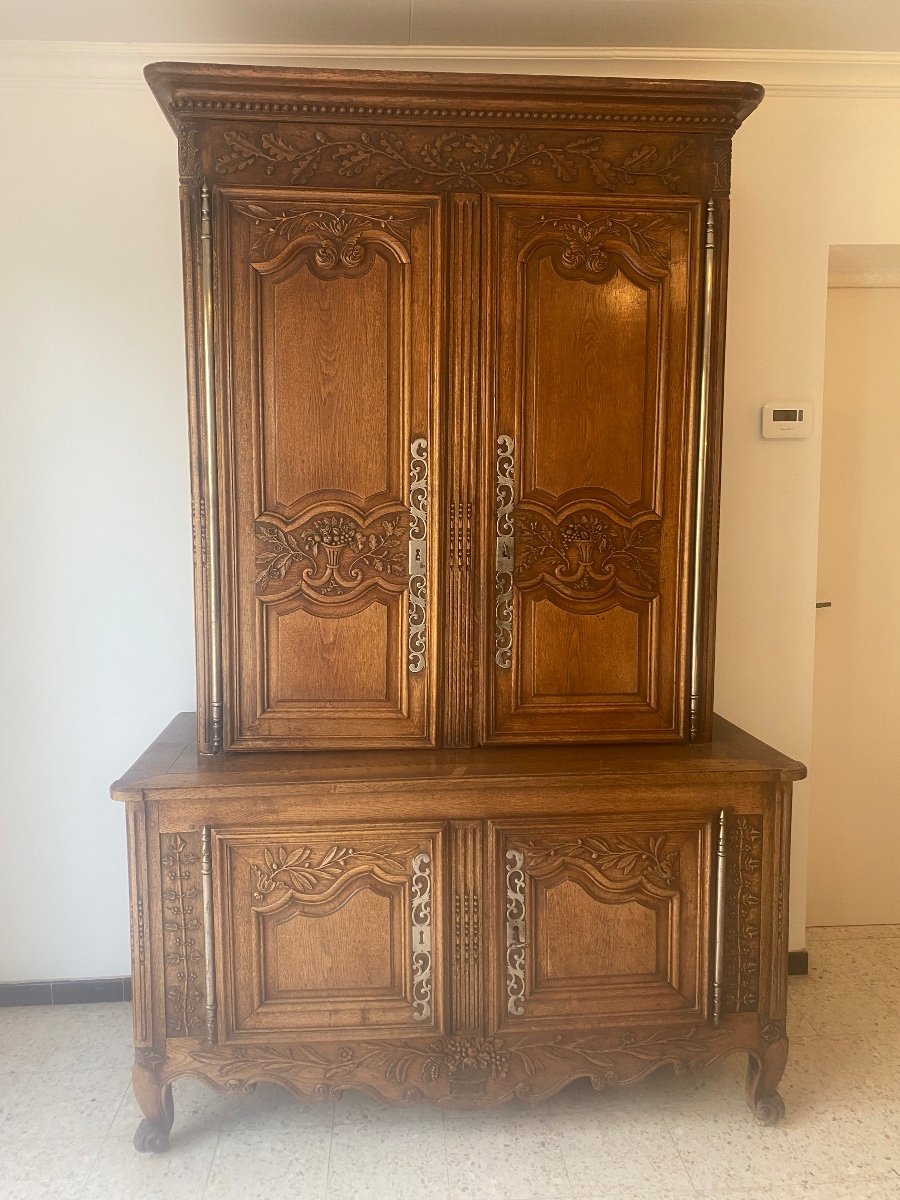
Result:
x=46 y=1160
x=622 y=1150
x=181 y=1174
x=261 y=1164
x=517 y=1159
x=858 y=1189
x=865 y=959
x=372 y=1160
x=361 y=1109
x=817 y=934
x=74 y=1104
x=845 y=1008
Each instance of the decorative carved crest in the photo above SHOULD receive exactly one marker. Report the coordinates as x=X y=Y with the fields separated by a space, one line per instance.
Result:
x=463 y=159
x=589 y=246
x=333 y=555
x=743 y=908
x=588 y=556
x=338 y=237
x=183 y=936
x=625 y=861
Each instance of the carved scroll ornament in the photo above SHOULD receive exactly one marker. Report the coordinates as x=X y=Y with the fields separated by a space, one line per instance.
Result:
x=590 y=247
x=341 y=240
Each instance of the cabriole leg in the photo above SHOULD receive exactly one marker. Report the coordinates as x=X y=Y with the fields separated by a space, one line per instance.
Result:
x=764 y=1073
x=155 y=1102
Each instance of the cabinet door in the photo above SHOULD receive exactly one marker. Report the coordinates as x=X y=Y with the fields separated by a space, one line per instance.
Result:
x=587 y=473
x=329 y=344
x=607 y=918
x=337 y=933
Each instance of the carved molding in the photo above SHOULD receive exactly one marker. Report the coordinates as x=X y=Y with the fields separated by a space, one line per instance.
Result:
x=183 y=936
x=339 y=239
x=743 y=908
x=587 y=556
x=516 y=931
x=588 y=247
x=188 y=152
x=421 y=937
x=332 y=556
x=525 y=1065
x=464 y=159
x=624 y=861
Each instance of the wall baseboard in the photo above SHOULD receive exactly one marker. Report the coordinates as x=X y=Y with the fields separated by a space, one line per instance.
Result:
x=65 y=991
x=118 y=988
x=798 y=962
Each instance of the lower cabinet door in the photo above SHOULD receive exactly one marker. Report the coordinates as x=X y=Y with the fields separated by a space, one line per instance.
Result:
x=600 y=919
x=333 y=932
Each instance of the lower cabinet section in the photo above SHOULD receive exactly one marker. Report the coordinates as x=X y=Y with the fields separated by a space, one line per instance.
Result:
x=582 y=929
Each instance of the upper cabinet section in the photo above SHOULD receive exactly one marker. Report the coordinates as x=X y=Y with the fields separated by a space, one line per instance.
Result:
x=454 y=355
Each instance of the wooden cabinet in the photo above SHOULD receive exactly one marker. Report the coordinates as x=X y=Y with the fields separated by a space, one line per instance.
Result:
x=455 y=350
x=455 y=355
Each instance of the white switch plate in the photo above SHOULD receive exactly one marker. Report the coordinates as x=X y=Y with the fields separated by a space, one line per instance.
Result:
x=787 y=420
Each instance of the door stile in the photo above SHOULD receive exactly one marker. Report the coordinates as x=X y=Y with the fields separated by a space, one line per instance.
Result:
x=464 y=421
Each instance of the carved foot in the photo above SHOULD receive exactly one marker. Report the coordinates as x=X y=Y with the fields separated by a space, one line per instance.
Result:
x=769 y=1110
x=155 y=1102
x=150 y=1138
x=764 y=1073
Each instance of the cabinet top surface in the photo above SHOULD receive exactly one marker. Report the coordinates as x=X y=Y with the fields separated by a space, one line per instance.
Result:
x=189 y=90
x=172 y=763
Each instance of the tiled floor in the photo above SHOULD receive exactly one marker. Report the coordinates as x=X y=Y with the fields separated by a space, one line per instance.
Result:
x=67 y=1117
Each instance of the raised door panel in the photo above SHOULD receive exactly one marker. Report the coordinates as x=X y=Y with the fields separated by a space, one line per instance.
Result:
x=587 y=477
x=331 y=440
x=330 y=933
x=600 y=920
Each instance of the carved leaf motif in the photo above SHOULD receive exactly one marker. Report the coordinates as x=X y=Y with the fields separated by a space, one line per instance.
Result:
x=300 y=874
x=454 y=158
x=743 y=909
x=588 y=244
x=624 y=858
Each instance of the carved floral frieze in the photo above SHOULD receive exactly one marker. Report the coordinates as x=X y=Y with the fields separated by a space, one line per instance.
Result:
x=465 y=159
x=743 y=912
x=457 y=1066
x=333 y=555
x=587 y=556
x=183 y=945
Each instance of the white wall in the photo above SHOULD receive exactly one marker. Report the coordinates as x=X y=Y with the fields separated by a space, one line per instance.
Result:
x=855 y=822
x=97 y=629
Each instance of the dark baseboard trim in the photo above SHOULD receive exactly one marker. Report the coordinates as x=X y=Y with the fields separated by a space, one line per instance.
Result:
x=798 y=962
x=95 y=991
x=65 y=991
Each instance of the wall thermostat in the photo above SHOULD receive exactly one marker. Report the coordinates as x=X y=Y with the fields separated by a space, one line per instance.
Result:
x=786 y=420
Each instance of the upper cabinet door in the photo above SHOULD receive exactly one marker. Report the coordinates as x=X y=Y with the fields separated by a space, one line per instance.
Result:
x=329 y=342
x=587 y=473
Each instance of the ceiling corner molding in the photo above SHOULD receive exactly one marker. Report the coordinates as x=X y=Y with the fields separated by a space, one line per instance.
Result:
x=787 y=73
